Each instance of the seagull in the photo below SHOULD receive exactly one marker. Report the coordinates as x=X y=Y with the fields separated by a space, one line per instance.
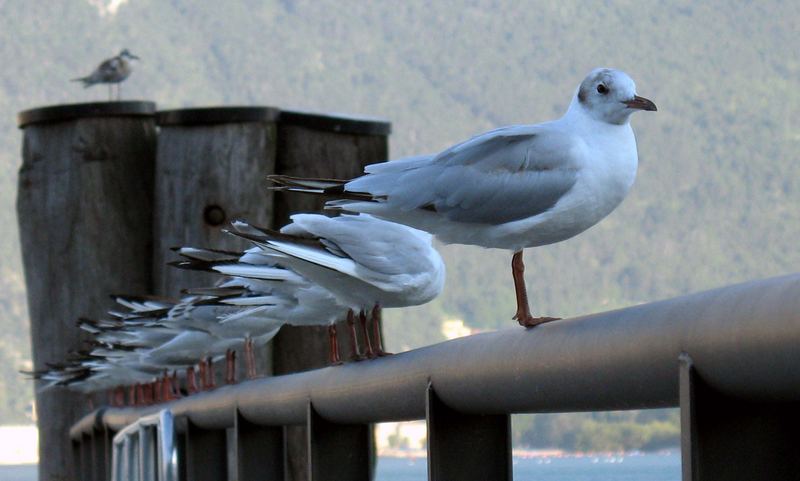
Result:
x=266 y=291
x=365 y=262
x=513 y=187
x=111 y=71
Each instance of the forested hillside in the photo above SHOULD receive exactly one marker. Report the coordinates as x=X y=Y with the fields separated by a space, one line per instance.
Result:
x=715 y=201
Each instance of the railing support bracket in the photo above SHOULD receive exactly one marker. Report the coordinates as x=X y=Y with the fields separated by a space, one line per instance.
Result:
x=466 y=447
x=726 y=438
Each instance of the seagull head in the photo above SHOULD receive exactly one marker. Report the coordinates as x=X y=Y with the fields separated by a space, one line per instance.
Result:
x=127 y=54
x=609 y=95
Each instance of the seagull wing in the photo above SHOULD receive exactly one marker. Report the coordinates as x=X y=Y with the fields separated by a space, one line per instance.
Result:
x=504 y=175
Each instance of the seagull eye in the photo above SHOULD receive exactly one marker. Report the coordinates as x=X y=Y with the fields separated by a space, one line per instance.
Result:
x=602 y=89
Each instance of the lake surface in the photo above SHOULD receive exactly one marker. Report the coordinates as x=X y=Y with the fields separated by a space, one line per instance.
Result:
x=647 y=467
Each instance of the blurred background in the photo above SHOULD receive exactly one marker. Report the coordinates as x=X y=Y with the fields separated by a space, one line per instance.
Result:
x=715 y=202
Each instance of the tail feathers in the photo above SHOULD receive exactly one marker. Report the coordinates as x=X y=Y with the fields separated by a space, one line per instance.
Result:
x=86 y=81
x=218 y=292
x=326 y=187
x=198 y=265
x=306 y=183
x=209 y=255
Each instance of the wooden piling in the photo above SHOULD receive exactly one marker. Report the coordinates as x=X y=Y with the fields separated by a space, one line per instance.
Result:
x=84 y=208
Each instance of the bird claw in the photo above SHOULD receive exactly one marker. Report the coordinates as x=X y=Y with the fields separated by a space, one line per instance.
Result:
x=528 y=321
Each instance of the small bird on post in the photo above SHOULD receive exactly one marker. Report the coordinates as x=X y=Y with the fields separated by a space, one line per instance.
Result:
x=111 y=71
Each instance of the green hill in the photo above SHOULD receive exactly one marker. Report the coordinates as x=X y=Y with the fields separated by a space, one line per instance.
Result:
x=719 y=182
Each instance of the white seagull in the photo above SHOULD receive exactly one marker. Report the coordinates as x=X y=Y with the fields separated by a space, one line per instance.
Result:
x=266 y=292
x=365 y=262
x=111 y=71
x=513 y=187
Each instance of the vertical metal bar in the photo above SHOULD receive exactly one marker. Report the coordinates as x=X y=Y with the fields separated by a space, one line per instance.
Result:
x=76 y=460
x=99 y=459
x=206 y=451
x=108 y=451
x=466 y=447
x=259 y=451
x=86 y=465
x=689 y=455
x=726 y=438
x=180 y=447
x=337 y=452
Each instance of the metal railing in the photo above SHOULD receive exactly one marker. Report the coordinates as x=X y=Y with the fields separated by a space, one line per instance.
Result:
x=730 y=358
x=146 y=450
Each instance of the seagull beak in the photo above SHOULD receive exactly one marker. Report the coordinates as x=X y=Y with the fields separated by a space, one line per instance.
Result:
x=640 y=103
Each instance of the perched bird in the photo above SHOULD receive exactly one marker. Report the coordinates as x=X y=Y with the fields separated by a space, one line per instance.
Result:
x=265 y=291
x=111 y=71
x=365 y=262
x=513 y=187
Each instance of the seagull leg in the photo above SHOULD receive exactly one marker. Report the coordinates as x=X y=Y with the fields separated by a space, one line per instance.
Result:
x=369 y=352
x=355 y=352
x=166 y=388
x=523 y=315
x=211 y=383
x=175 y=386
x=230 y=367
x=333 y=353
x=202 y=368
x=376 y=331
x=158 y=389
x=250 y=358
x=191 y=381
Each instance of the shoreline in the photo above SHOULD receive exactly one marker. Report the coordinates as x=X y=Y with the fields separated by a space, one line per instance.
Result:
x=547 y=454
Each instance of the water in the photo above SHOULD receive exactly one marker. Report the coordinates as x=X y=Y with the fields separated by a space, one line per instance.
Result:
x=25 y=472
x=647 y=467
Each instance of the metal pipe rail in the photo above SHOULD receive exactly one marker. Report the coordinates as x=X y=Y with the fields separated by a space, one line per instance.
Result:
x=729 y=357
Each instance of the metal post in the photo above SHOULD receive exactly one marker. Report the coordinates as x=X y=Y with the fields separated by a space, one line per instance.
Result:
x=338 y=452
x=467 y=447
x=206 y=450
x=259 y=451
x=726 y=438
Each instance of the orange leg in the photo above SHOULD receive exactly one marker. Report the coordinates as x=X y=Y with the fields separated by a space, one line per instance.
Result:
x=362 y=317
x=355 y=352
x=523 y=315
x=376 y=331
x=333 y=340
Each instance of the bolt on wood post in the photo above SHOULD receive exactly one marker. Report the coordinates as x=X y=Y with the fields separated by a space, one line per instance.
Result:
x=84 y=207
x=314 y=145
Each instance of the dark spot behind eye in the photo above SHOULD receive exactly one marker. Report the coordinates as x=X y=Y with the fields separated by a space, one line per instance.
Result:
x=602 y=89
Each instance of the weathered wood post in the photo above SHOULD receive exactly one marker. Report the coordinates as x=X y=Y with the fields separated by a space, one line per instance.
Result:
x=316 y=145
x=211 y=167
x=84 y=209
